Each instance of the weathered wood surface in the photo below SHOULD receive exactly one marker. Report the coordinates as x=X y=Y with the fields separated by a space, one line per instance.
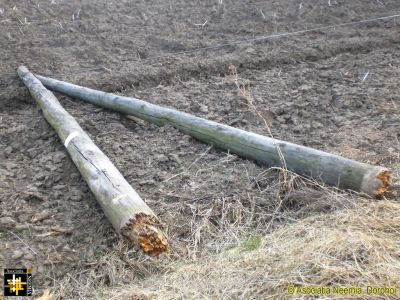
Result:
x=332 y=169
x=128 y=213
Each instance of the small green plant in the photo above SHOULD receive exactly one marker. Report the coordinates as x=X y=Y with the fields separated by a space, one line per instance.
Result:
x=252 y=243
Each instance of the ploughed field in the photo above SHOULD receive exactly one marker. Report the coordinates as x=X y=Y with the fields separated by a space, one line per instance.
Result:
x=335 y=89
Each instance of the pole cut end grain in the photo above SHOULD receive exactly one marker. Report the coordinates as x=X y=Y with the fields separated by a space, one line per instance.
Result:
x=146 y=232
x=384 y=178
x=376 y=182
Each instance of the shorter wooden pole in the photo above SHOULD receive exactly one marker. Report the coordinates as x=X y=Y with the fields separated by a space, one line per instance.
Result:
x=332 y=169
x=124 y=208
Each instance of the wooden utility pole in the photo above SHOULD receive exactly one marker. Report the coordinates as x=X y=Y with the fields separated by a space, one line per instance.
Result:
x=331 y=169
x=124 y=208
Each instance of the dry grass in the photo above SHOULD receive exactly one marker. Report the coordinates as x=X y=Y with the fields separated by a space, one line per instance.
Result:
x=47 y=295
x=356 y=246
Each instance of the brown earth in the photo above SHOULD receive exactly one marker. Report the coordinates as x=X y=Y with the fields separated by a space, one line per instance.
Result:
x=334 y=89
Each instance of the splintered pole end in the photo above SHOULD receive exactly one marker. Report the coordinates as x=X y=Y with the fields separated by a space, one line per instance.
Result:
x=146 y=232
x=384 y=179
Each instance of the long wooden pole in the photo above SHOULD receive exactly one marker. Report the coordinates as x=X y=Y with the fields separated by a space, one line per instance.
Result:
x=332 y=169
x=127 y=212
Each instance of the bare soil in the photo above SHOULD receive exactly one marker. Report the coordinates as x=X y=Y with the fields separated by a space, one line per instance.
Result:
x=334 y=89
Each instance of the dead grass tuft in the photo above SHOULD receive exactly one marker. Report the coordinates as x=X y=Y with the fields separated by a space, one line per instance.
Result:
x=356 y=246
x=47 y=295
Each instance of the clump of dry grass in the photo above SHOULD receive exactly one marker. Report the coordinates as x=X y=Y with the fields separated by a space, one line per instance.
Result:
x=47 y=295
x=352 y=247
